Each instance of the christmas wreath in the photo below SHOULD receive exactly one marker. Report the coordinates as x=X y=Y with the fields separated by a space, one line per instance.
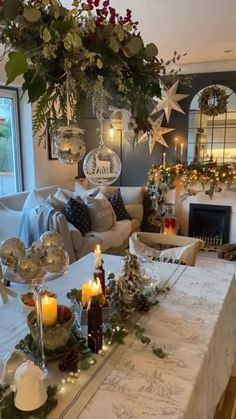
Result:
x=213 y=101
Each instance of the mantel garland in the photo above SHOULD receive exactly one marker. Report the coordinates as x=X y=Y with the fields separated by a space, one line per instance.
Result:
x=211 y=174
x=213 y=101
x=67 y=55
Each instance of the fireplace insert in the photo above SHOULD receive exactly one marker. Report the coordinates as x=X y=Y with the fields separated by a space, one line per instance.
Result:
x=210 y=223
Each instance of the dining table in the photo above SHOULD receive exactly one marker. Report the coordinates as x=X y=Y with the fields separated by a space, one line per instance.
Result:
x=194 y=324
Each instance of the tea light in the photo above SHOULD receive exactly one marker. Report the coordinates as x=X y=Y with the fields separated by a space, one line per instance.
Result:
x=98 y=256
x=49 y=310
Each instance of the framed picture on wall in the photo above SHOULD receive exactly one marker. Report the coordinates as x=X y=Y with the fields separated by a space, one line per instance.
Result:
x=52 y=155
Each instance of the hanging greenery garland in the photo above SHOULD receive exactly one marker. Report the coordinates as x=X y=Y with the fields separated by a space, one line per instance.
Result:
x=213 y=101
x=86 y=51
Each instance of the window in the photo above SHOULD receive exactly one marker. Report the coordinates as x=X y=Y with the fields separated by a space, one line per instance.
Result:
x=212 y=137
x=10 y=153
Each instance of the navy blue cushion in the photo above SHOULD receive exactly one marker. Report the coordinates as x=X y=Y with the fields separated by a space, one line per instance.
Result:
x=77 y=213
x=118 y=205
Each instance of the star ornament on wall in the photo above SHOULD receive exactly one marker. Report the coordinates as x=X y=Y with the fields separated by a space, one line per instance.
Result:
x=169 y=101
x=156 y=134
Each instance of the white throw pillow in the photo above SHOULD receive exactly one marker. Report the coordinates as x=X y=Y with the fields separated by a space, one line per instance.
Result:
x=65 y=194
x=56 y=203
x=34 y=199
x=101 y=212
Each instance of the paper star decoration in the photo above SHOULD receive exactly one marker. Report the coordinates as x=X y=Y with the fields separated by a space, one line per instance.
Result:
x=156 y=135
x=169 y=101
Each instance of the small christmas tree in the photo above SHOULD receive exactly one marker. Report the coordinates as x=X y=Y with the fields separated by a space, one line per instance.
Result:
x=126 y=288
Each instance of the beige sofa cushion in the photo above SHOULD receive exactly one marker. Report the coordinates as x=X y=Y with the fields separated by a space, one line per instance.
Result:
x=135 y=211
x=101 y=212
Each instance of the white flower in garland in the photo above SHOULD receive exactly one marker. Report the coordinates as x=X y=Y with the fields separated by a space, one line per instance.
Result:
x=169 y=101
x=156 y=135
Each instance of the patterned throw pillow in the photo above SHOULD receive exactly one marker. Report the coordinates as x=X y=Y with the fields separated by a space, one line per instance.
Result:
x=118 y=205
x=77 y=213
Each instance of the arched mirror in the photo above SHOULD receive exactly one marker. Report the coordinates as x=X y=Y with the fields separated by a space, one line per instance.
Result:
x=212 y=138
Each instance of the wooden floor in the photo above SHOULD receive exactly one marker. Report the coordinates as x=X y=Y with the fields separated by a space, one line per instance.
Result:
x=227 y=405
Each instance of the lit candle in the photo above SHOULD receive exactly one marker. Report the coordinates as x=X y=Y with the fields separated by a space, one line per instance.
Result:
x=176 y=142
x=164 y=160
x=98 y=256
x=49 y=311
x=181 y=152
x=90 y=289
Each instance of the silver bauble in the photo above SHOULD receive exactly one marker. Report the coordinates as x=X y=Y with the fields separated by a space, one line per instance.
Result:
x=10 y=251
x=56 y=261
x=29 y=267
x=37 y=248
x=70 y=145
x=102 y=166
x=52 y=239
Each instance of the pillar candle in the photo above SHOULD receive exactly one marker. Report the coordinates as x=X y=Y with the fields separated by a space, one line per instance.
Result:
x=98 y=256
x=49 y=311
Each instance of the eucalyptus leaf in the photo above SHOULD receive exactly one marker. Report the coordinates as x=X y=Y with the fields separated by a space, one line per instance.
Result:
x=31 y=14
x=99 y=63
x=62 y=26
x=114 y=44
x=134 y=45
x=11 y=8
x=36 y=87
x=16 y=65
x=119 y=32
x=151 y=50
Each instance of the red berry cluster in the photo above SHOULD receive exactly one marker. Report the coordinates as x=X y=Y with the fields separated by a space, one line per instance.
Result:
x=106 y=12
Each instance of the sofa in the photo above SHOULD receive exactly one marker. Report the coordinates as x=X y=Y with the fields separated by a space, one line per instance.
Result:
x=113 y=241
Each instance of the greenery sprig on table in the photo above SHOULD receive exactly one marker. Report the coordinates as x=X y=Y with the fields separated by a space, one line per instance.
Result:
x=207 y=174
x=67 y=55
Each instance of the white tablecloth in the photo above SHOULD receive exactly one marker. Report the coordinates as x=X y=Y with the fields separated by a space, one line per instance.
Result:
x=195 y=324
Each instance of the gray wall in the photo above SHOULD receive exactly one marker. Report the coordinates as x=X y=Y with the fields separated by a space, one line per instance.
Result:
x=137 y=162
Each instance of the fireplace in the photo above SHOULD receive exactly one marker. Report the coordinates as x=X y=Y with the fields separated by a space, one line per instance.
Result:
x=210 y=223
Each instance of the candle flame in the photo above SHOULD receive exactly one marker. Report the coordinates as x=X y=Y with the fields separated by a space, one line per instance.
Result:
x=98 y=248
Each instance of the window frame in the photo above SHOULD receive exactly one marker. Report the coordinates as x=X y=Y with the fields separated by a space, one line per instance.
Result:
x=13 y=93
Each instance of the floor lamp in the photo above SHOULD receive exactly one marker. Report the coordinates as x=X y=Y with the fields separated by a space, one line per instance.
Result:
x=112 y=132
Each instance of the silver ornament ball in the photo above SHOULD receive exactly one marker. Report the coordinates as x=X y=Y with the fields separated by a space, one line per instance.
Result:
x=29 y=267
x=56 y=261
x=70 y=145
x=11 y=250
x=37 y=248
x=51 y=239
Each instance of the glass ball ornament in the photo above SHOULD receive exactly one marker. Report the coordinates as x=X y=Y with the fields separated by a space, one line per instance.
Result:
x=56 y=260
x=51 y=239
x=102 y=166
x=11 y=250
x=37 y=248
x=30 y=267
x=69 y=144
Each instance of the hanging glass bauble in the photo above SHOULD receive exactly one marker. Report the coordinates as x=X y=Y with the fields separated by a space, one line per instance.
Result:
x=102 y=166
x=70 y=145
